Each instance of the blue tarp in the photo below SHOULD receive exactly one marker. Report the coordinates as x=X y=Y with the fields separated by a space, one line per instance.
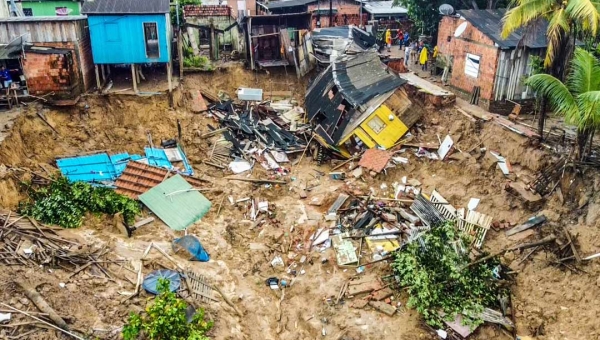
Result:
x=192 y=246
x=95 y=168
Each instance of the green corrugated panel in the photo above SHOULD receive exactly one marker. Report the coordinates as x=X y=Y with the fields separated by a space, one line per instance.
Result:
x=174 y=205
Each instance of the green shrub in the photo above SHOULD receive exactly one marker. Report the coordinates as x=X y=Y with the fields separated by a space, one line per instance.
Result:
x=64 y=203
x=197 y=62
x=439 y=280
x=165 y=318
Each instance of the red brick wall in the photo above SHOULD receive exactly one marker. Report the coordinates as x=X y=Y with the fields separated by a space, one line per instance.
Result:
x=50 y=73
x=83 y=74
x=474 y=42
x=344 y=7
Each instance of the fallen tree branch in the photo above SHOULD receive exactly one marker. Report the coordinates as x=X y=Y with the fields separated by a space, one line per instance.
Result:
x=256 y=180
x=227 y=300
x=42 y=321
x=42 y=305
x=547 y=239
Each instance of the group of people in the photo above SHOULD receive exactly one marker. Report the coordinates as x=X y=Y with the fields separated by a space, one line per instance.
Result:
x=416 y=51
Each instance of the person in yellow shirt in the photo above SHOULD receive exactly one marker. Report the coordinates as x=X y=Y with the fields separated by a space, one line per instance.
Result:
x=423 y=58
x=435 y=52
x=388 y=39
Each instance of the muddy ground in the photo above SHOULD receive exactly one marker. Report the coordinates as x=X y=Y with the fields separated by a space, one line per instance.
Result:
x=551 y=301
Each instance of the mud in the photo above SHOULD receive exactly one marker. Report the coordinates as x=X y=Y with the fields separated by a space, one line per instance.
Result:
x=551 y=302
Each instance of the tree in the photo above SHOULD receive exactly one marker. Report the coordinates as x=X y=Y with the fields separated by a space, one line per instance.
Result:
x=166 y=318
x=577 y=98
x=565 y=18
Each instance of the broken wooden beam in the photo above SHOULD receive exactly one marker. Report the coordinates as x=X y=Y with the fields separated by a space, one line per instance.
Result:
x=256 y=180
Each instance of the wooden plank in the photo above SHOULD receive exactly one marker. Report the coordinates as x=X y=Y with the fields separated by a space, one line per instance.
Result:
x=383 y=307
x=530 y=223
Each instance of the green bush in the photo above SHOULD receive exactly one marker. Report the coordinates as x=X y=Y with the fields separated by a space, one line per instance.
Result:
x=64 y=203
x=439 y=280
x=197 y=62
x=165 y=318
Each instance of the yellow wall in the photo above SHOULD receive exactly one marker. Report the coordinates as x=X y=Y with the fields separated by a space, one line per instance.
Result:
x=391 y=133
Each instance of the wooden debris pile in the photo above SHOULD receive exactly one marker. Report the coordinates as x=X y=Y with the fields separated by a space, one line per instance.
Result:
x=26 y=242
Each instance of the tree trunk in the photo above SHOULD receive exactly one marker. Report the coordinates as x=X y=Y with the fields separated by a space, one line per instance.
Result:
x=582 y=138
x=542 y=119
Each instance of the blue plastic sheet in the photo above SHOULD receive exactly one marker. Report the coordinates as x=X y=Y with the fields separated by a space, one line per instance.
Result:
x=95 y=168
x=191 y=245
x=150 y=283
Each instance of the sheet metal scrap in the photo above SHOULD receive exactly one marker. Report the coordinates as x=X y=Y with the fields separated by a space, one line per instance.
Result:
x=261 y=127
x=427 y=211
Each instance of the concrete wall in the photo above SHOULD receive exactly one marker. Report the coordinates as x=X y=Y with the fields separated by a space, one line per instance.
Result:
x=474 y=42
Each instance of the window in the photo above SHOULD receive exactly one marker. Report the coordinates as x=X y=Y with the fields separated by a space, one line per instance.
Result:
x=472 y=65
x=151 y=37
x=61 y=11
x=376 y=124
x=28 y=12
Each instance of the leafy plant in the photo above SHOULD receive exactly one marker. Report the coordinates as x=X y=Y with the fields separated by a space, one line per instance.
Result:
x=181 y=4
x=166 y=318
x=440 y=283
x=65 y=203
x=197 y=62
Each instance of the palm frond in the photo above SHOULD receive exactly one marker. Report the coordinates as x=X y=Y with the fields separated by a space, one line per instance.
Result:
x=556 y=92
x=585 y=13
x=588 y=105
x=584 y=75
x=557 y=30
x=524 y=12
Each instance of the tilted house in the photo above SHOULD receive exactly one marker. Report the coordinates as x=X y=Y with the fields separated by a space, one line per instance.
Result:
x=47 y=55
x=357 y=103
x=131 y=32
x=485 y=63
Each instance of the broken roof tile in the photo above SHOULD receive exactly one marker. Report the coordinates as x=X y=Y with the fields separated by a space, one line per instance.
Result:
x=137 y=178
x=375 y=159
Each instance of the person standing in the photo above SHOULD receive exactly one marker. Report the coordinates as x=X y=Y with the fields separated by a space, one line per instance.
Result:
x=423 y=58
x=5 y=78
x=388 y=39
x=407 y=52
x=406 y=38
x=399 y=38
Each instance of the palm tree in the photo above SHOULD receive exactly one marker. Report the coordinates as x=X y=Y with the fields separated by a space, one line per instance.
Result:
x=565 y=18
x=577 y=98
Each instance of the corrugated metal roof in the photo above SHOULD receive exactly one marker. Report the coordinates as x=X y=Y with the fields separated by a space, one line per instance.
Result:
x=44 y=18
x=364 y=77
x=175 y=203
x=489 y=22
x=287 y=3
x=125 y=6
x=158 y=157
x=94 y=168
x=137 y=178
x=384 y=7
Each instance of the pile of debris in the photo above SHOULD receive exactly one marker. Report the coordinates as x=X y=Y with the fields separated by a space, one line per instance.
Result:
x=255 y=131
x=162 y=180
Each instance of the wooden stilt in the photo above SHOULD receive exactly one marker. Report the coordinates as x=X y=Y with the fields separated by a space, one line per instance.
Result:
x=103 y=73
x=169 y=76
x=133 y=77
x=98 y=84
x=137 y=74
x=180 y=52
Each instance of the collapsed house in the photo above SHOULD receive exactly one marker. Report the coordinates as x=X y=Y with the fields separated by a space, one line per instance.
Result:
x=279 y=40
x=329 y=43
x=357 y=103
